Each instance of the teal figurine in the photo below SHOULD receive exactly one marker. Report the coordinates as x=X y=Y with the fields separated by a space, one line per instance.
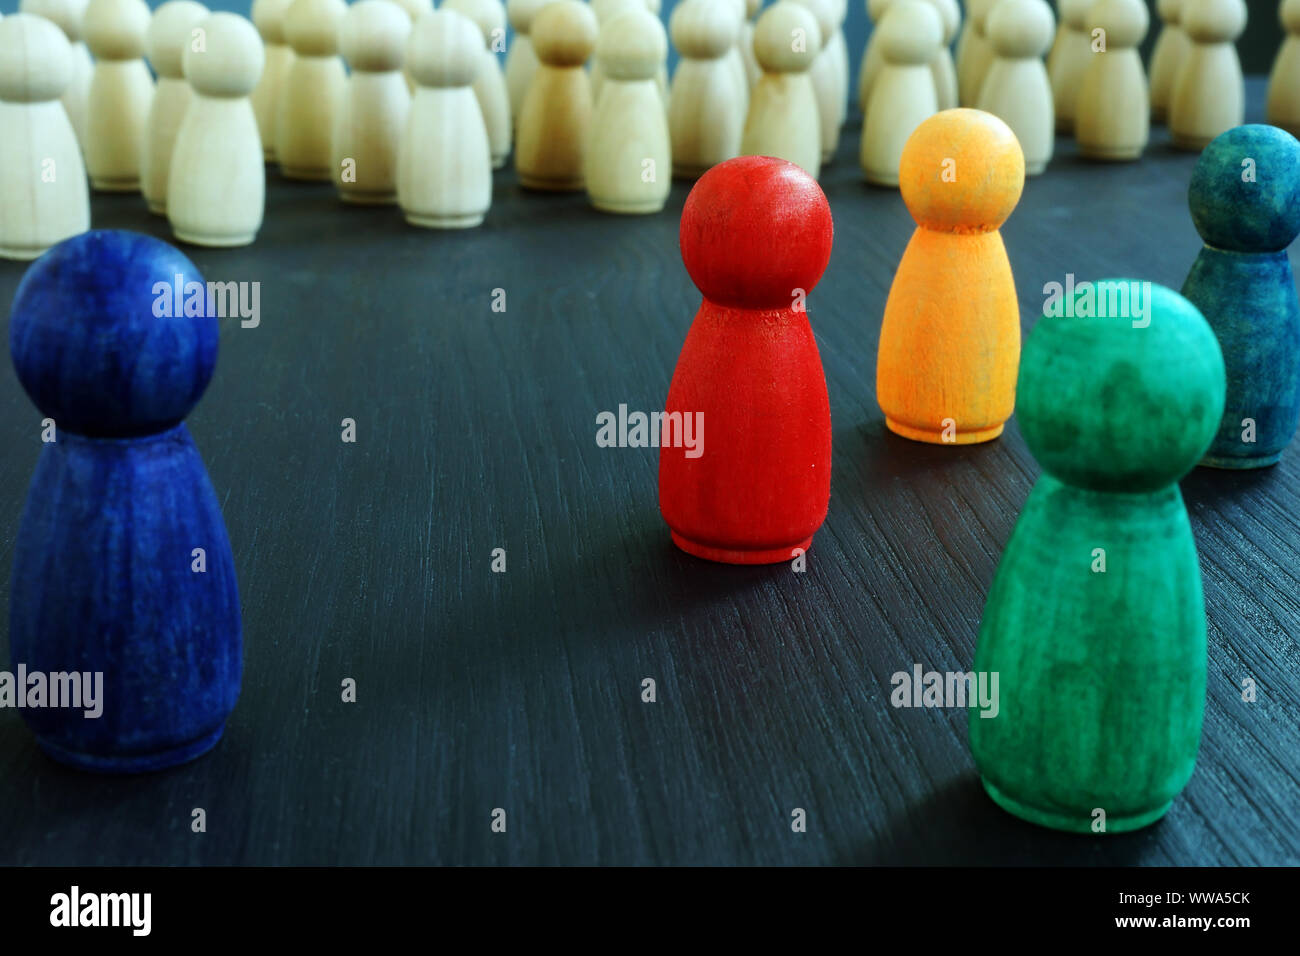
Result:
x=122 y=566
x=1095 y=622
x=1245 y=201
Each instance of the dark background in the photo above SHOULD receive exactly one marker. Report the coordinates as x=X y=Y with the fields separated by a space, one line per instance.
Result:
x=522 y=690
x=1257 y=48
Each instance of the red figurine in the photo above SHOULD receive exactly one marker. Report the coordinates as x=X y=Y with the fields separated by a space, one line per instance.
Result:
x=756 y=237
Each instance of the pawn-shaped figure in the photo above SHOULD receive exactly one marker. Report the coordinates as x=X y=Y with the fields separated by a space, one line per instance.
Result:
x=1068 y=61
x=978 y=53
x=1284 y=80
x=314 y=89
x=605 y=11
x=950 y=341
x=1209 y=95
x=942 y=66
x=376 y=102
x=904 y=95
x=629 y=161
x=42 y=179
x=521 y=60
x=67 y=16
x=555 y=125
x=1245 y=201
x=1095 y=622
x=268 y=17
x=1167 y=57
x=826 y=77
x=1016 y=88
x=170 y=31
x=733 y=57
x=121 y=92
x=1112 y=118
x=490 y=83
x=216 y=191
x=783 y=119
x=706 y=115
x=444 y=162
x=755 y=237
x=871 y=62
x=122 y=566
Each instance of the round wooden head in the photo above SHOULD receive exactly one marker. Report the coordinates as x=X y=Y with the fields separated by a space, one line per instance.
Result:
x=100 y=339
x=232 y=58
x=962 y=171
x=373 y=36
x=488 y=15
x=115 y=29
x=268 y=17
x=1245 y=190
x=311 y=27
x=66 y=14
x=1125 y=21
x=564 y=33
x=35 y=60
x=823 y=12
x=1124 y=402
x=1021 y=29
x=911 y=33
x=755 y=229
x=1214 y=21
x=170 y=31
x=632 y=45
x=445 y=49
x=786 y=38
x=702 y=30
x=1289 y=14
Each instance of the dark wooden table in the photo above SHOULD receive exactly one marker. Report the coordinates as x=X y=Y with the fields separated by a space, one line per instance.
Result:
x=522 y=690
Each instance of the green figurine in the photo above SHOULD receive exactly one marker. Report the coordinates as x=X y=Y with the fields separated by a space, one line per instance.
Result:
x=1096 y=622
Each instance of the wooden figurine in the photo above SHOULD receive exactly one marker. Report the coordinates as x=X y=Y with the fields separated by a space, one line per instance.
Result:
x=376 y=102
x=706 y=114
x=122 y=565
x=1113 y=110
x=629 y=160
x=521 y=60
x=871 y=61
x=555 y=124
x=1068 y=61
x=268 y=17
x=950 y=341
x=943 y=68
x=1167 y=58
x=746 y=39
x=783 y=120
x=216 y=189
x=444 y=164
x=1095 y=622
x=903 y=95
x=825 y=76
x=1209 y=95
x=745 y=449
x=313 y=90
x=979 y=55
x=42 y=178
x=170 y=32
x=1284 y=80
x=121 y=92
x=1245 y=201
x=1017 y=88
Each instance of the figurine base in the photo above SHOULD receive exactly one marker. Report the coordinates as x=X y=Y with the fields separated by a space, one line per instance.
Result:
x=936 y=437
x=1071 y=822
x=466 y=221
x=725 y=556
x=133 y=763
x=1240 y=464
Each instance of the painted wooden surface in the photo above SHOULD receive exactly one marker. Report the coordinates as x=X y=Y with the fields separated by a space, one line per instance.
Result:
x=521 y=690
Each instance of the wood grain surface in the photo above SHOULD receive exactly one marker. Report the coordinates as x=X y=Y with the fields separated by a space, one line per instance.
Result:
x=522 y=691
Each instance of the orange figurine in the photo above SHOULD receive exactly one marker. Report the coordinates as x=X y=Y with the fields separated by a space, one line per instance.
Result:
x=950 y=342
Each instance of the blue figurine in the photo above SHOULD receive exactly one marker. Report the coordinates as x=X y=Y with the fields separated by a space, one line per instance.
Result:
x=1245 y=201
x=108 y=572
